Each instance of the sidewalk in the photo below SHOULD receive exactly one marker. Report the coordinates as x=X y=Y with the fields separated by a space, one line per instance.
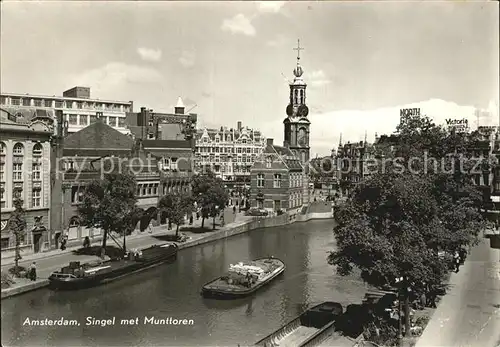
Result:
x=160 y=229
x=53 y=261
x=469 y=314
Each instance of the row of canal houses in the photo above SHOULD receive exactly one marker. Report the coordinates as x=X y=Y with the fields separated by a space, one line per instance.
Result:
x=48 y=168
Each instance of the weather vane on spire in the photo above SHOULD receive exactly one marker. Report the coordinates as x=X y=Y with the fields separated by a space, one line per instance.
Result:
x=298 y=49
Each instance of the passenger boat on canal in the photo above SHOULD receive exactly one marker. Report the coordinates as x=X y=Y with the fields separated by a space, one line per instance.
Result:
x=244 y=279
x=314 y=325
x=78 y=276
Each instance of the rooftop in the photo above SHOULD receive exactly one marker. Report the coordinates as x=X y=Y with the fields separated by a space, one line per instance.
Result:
x=62 y=98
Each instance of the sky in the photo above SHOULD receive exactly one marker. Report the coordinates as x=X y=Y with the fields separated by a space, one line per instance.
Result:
x=234 y=60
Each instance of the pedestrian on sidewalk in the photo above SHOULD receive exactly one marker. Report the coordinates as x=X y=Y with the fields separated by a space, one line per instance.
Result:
x=234 y=209
x=456 y=261
x=191 y=219
x=32 y=271
x=431 y=297
x=63 y=243
x=86 y=242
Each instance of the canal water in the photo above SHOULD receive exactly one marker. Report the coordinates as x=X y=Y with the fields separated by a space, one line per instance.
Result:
x=173 y=290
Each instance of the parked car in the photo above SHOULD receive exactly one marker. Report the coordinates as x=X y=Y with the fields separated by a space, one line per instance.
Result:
x=257 y=212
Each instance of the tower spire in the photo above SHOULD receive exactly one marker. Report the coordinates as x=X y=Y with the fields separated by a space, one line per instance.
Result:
x=298 y=49
x=298 y=70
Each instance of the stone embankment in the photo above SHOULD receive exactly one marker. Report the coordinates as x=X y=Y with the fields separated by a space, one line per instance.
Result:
x=231 y=229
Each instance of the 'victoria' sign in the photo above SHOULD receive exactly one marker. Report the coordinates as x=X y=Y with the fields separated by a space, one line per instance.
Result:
x=459 y=125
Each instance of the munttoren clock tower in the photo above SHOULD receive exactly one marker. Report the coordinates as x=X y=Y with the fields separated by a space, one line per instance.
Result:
x=296 y=124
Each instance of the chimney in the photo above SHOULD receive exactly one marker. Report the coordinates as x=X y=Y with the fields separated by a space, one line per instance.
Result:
x=269 y=141
x=239 y=126
x=179 y=108
x=60 y=124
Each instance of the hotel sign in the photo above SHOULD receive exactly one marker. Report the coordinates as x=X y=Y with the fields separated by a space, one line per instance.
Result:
x=409 y=112
x=459 y=125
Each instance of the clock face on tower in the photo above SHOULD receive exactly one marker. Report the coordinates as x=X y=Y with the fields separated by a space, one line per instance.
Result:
x=303 y=110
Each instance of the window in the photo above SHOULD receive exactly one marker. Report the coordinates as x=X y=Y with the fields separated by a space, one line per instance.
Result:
x=17 y=171
x=277 y=181
x=3 y=150
x=37 y=198
x=269 y=162
x=38 y=102
x=151 y=136
x=59 y=104
x=69 y=104
x=47 y=103
x=93 y=119
x=121 y=122
x=238 y=150
x=18 y=149
x=37 y=171
x=3 y=100
x=112 y=121
x=73 y=119
x=26 y=102
x=260 y=180
x=15 y=101
x=79 y=104
x=244 y=141
x=2 y=193
x=217 y=139
x=74 y=222
x=2 y=172
x=84 y=119
x=5 y=242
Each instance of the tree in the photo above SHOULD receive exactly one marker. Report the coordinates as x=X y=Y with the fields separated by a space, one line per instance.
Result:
x=109 y=204
x=210 y=195
x=17 y=225
x=397 y=221
x=175 y=206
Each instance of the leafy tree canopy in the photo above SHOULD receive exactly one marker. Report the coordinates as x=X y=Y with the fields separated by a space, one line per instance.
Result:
x=109 y=203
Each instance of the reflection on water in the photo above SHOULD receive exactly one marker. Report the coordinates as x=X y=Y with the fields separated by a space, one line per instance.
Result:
x=173 y=290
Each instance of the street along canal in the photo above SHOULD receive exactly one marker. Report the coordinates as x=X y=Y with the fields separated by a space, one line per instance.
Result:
x=163 y=306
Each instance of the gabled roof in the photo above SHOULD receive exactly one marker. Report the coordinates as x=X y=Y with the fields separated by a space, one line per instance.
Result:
x=283 y=151
x=99 y=136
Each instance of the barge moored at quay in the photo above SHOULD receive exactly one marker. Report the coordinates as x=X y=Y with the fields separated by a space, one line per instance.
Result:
x=303 y=329
x=244 y=279
x=79 y=276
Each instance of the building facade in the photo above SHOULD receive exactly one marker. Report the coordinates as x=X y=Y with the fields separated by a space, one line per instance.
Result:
x=150 y=125
x=277 y=180
x=79 y=109
x=25 y=162
x=170 y=139
x=229 y=153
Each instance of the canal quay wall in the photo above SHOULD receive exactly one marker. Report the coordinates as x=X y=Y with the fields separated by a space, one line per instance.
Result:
x=223 y=233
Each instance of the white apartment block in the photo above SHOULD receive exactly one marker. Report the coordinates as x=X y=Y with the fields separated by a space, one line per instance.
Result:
x=229 y=153
x=78 y=108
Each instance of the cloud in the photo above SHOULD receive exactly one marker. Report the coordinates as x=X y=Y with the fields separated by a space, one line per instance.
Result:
x=326 y=127
x=187 y=58
x=117 y=78
x=316 y=78
x=270 y=6
x=239 y=24
x=279 y=40
x=149 y=54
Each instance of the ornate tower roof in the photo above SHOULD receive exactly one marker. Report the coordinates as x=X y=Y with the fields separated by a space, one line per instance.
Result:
x=180 y=104
x=298 y=71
